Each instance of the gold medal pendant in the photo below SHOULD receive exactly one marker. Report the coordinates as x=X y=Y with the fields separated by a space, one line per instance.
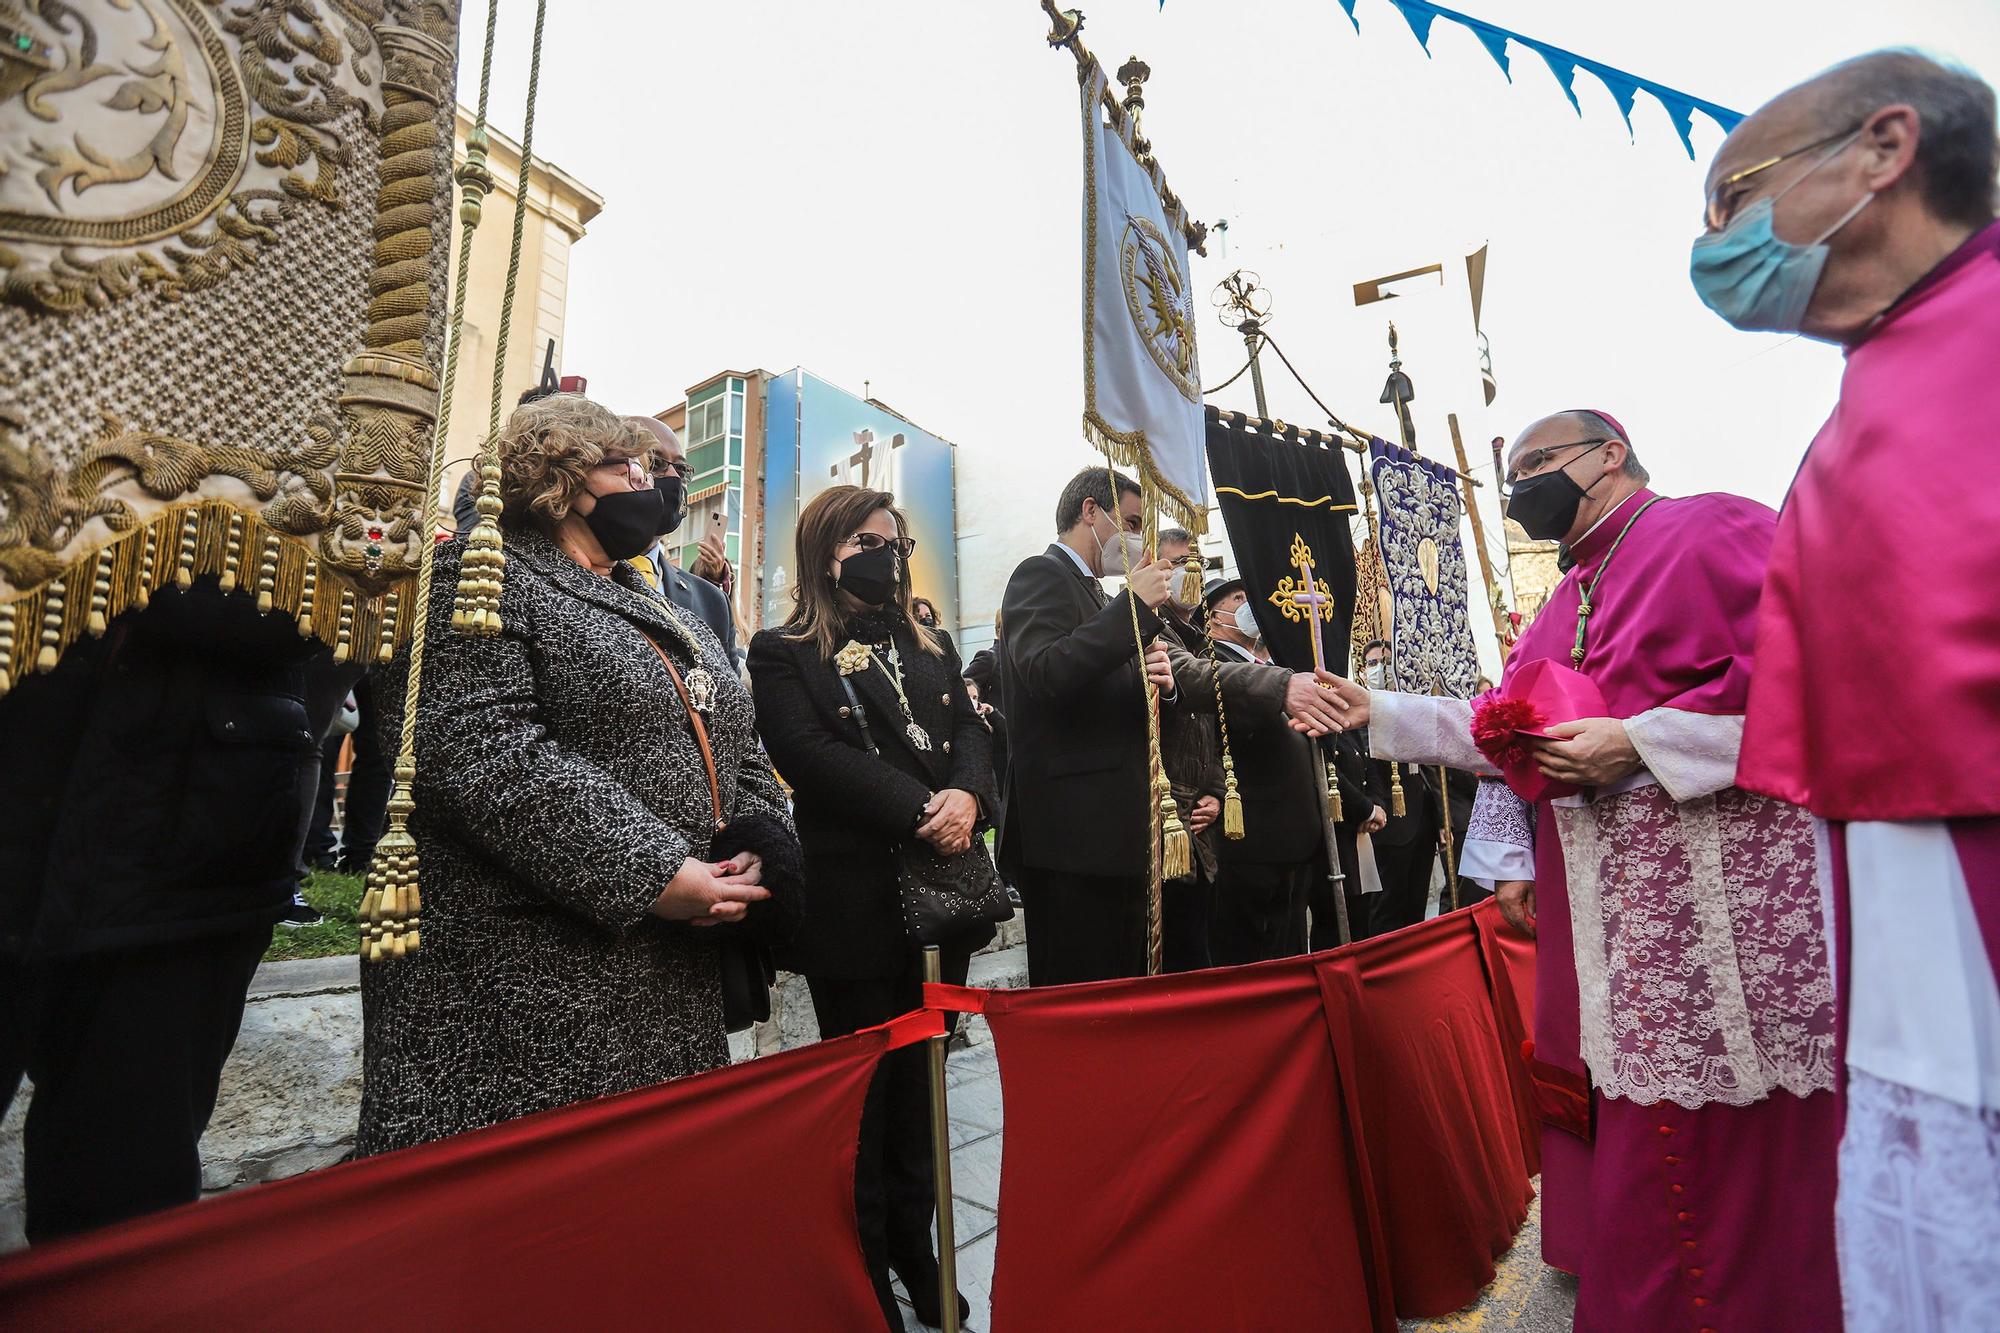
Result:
x=701 y=689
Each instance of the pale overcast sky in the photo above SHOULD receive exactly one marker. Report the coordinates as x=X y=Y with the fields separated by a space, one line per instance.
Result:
x=889 y=192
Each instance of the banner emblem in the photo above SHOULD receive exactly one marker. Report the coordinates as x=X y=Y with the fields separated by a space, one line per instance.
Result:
x=1156 y=293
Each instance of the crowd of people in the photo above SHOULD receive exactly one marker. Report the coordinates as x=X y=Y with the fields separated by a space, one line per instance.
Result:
x=1767 y=1046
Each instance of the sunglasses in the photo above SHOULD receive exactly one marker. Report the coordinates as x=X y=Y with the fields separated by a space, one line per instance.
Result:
x=868 y=541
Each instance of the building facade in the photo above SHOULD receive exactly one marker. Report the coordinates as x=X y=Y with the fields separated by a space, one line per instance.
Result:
x=560 y=207
x=763 y=444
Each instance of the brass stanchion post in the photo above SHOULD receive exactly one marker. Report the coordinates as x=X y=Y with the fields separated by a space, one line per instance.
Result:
x=941 y=1162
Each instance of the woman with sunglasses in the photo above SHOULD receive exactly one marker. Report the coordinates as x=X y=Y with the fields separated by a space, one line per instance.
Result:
x=921 y=771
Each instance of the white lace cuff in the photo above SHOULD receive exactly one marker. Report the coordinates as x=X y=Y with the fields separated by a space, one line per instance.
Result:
x=1499 y=837
x=1691 y=754
x=1423 y=729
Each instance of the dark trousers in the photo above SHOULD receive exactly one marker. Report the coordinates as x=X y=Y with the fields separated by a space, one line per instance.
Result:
x=368 y=784
x=894 y=1190
x=125 y=1051
x=1186 y=904
x=1083 y=927
x=1319 y=901
x=1406 y=881
x=1260 y=911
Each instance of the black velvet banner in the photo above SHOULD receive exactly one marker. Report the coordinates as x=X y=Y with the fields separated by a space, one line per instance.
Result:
x=1286 y=503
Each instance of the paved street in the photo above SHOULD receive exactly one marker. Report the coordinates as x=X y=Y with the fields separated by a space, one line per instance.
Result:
x=1525 y=1295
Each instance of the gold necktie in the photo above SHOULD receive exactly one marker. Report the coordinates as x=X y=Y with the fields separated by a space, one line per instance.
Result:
x=643 y=567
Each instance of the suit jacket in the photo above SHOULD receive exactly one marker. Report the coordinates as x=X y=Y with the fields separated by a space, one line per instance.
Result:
x=1078 y=778
x=852 y=807
x=691 y=592
x=1279 y=777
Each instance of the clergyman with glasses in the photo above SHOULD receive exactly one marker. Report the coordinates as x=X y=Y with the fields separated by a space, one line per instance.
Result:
x=1683 y=1056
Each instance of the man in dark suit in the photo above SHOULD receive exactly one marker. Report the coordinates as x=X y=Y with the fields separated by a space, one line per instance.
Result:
x=1406 y=847
x=1076 y=827
x=1265 y=877
x=689 y=592
x=1191 y=752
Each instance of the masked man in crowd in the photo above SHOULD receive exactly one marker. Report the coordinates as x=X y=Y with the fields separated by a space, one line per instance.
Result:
x=690 y=592
x=1077 y=821
x=1683 y=1058
x=1267 y=876
x=1859 y=208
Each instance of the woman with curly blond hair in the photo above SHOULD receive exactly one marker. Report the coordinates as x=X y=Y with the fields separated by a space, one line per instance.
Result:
x=594 y=816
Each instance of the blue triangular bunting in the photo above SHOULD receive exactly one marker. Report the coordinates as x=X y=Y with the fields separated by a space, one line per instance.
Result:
x=1420 y=17
x=1681 y=112
x=1563 y=66
x=1623 y=87
x=1495 y=42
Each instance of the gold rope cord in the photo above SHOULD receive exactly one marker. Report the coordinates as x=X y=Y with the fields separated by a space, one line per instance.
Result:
x=391 y=909
x=1232 y=798
x=476 y=609
x=1168 y=853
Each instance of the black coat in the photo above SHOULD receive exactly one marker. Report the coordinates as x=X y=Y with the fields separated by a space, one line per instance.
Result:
x=853 y=808
x=1078 y=773
x=1279 y=777
x=157 y=785
x=1421 y=805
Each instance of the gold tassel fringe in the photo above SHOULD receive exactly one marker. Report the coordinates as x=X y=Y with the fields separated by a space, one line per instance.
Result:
x=1176 y=850
x=483 y=569
x=1397 y=805
x=1333 y=809
x=1232 y=801
x=391 y=909
x=1190 y=590
x=175 y=547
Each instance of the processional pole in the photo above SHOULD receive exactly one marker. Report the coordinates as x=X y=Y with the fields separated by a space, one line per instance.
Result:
x=935 y=1049
x=1398 y=391
x=1494 y=601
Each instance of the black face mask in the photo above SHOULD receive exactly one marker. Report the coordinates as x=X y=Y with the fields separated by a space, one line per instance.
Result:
x=626 y=523
x=869 y=576
x=673 y=494
x=1545 y=505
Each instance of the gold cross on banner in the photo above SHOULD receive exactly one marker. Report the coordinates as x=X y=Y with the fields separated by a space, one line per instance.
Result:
x=1306 y=597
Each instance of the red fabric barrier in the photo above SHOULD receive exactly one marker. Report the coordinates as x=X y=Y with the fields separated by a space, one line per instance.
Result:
x=722 y=1201
x=1178 y=1157
x=1510 y=975
x=1428 y=1079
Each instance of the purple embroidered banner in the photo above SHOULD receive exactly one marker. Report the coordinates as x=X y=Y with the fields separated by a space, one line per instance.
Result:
x=1430 y=635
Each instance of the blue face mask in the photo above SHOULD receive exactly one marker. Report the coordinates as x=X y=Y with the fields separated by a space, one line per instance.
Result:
x=1752 y=278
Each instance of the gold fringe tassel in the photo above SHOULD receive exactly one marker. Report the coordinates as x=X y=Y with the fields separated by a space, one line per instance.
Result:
x=1232 y=801
x=1333 y=809
x=1190 y=590
x=1397 y=805
x=1176 y=851
x=176 y=547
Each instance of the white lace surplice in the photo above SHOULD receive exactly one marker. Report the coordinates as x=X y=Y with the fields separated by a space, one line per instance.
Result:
x=1918 y=1217
x=1701 y=957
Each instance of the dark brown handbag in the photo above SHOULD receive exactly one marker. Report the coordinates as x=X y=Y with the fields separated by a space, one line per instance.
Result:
x=942 y=896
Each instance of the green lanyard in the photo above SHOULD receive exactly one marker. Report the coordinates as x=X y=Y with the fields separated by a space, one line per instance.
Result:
x=1583 y=606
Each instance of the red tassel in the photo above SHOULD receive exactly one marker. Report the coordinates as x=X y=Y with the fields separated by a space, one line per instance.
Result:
x=1527 y=1050
x=1494 y=722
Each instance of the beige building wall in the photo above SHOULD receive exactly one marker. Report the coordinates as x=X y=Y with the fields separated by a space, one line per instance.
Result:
x=559 y=208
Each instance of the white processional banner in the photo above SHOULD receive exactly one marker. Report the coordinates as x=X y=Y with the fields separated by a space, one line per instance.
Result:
x=1141 y=377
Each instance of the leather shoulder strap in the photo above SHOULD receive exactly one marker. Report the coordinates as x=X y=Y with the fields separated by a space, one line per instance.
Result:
x=700 y=730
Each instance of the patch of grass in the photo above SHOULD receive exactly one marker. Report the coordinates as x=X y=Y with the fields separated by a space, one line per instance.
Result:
x=338 y=897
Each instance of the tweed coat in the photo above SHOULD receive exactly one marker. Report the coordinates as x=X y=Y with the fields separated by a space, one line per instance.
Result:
x=559 y=788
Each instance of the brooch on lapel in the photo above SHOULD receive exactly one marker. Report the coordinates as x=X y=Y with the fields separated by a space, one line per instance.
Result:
x=854 y=657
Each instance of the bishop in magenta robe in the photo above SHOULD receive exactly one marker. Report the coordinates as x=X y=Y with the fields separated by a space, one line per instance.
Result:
x=1683 y=1057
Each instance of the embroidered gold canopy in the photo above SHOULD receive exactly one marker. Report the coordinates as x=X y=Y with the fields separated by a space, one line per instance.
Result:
x=223 y=230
